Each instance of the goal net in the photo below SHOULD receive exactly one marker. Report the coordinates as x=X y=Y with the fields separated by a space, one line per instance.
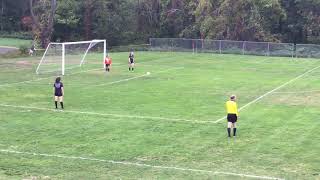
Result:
x=61 y=58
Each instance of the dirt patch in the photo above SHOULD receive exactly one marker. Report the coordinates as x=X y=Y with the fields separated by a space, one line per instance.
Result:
x=23 y=64
x=305 y=99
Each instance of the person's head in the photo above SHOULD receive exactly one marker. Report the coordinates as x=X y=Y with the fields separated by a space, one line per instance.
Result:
x=233 y=97
x=58 y=79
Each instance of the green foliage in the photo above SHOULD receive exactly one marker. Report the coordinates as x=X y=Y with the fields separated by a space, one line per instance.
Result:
x=16 y=34
x=135 y=21
x=24 y=49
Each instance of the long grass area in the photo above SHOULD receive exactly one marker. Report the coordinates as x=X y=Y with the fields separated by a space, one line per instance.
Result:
x=165 y=125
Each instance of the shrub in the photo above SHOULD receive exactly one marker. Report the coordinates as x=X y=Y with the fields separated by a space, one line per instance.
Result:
x=24 y=49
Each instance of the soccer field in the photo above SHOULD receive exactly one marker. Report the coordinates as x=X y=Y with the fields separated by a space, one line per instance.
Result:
x=166 y=125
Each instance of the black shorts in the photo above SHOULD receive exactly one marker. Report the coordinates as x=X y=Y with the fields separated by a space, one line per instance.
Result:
x=131 y=61
x=232 y=118
x=107 y=65
x=58 y=94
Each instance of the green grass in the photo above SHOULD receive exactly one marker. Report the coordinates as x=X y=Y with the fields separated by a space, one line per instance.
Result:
x=13 y=42
x=277 y=136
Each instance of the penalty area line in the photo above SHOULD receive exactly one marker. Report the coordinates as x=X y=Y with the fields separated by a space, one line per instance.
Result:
x=109 y=114
x=136 y=164
x=272 y=91
x=135 y=77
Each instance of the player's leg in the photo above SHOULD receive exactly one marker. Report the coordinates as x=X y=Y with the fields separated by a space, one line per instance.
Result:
x=234 y=128
x=229 y=128
x=56 y=101
x=61 y=101
x=132 y=66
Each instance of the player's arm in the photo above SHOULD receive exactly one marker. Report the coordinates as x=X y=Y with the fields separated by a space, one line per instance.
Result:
x=237 y=112
x=62 y=91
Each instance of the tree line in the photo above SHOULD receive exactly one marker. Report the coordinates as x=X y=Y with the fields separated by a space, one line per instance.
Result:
x=135 y=21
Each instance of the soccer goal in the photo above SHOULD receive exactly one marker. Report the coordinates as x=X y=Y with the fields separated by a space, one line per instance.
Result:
x=58 y=58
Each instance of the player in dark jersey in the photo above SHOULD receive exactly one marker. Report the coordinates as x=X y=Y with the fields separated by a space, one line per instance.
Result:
x=131 y=61
x=58 y=92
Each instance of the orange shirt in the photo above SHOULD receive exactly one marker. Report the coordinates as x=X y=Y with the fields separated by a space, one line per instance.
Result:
x=107 y=60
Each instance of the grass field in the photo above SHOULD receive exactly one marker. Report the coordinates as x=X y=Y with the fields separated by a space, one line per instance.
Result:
x=12 y=42
x=166 y=125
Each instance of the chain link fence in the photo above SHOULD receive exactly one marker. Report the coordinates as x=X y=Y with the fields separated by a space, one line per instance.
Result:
x=235 y=47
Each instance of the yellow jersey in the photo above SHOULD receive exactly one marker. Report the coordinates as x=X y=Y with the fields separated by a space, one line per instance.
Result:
x=232 y=107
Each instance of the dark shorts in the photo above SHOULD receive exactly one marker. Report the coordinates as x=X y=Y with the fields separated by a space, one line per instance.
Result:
x=232 y=118
x=131 y=61
x=58 y=94
x=107 y=65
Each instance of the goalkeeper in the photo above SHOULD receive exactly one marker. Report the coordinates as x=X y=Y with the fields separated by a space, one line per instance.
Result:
x=108 y=62
x=232 y=116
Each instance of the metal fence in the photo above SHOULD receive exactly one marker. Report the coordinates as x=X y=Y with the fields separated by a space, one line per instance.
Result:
x=235 y=47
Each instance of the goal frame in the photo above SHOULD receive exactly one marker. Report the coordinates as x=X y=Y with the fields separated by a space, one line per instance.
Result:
x=71 y=43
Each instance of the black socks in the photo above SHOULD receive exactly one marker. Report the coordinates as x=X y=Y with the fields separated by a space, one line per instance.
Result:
x=131 y=68
x=56 y=103
x=234 y=132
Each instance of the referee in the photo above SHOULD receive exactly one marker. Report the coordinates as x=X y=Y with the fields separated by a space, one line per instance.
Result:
x=233 y=114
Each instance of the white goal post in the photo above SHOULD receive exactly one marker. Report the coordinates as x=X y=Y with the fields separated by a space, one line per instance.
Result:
x=58 y=57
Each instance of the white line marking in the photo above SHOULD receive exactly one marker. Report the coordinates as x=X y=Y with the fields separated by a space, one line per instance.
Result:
x=9 y=47
x=115 y=82
x=296 y=92
x=136 y=77
x=107 y=114
x=275 y=89
x=39 y=79
x=22 y=82
x=138 y=164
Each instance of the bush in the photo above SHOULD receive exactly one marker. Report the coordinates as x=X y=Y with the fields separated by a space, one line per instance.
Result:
x=126 y=48
x=18 y=35
x=24 y=49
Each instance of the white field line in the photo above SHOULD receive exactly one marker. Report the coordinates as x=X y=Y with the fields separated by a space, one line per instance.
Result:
x=138 y=164
x=22 y=82
x=108 y=114
x=39 y=79
x=273 y=90
x=9 y=47
x=296 y=92
x=136 y=77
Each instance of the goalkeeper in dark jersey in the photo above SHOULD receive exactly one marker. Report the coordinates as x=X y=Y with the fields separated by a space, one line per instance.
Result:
x=131 y=60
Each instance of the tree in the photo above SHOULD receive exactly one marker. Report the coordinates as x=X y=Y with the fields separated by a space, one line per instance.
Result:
x=42 y=13
x=67 y=21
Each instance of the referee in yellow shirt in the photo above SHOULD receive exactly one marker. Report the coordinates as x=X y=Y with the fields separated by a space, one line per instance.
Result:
x=233 y=114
